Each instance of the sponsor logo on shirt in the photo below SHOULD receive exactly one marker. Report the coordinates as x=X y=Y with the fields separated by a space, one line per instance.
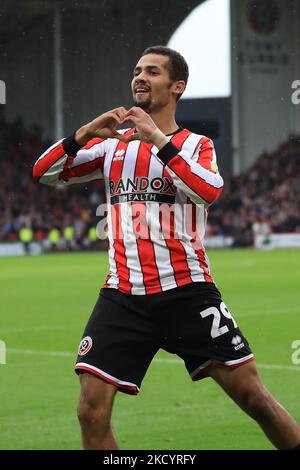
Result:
x=119 y=155
x=142 y=183
x=142 y=189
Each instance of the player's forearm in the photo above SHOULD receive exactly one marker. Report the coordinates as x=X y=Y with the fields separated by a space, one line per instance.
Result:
x=200 y=184
x=66 y=162
x=82 y=136
x=158 y=139
x=50 y=164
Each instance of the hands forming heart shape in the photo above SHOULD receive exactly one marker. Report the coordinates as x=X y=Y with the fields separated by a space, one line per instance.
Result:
x=105 y=126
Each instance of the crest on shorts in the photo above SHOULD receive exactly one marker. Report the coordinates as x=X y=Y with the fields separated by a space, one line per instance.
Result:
x=85 y=345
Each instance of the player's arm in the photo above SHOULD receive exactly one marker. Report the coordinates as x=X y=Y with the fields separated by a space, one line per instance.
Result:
x=197 y=175
x=80 y=157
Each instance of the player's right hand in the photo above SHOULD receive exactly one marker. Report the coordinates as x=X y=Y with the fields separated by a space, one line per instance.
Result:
x=103 y=126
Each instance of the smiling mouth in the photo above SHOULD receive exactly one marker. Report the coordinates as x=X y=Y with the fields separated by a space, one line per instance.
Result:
x=140 y=91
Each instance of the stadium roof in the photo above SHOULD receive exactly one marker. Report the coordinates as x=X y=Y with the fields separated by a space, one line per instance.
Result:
x=16 y=13
x=12 y=10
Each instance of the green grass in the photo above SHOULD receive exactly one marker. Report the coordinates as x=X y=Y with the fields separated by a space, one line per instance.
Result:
x=45 y=303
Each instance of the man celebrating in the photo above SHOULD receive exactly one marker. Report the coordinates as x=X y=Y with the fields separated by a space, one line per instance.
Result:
x=159 y=292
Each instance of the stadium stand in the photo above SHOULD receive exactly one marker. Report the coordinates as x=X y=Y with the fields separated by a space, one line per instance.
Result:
x=24 y=203
x=269 y=192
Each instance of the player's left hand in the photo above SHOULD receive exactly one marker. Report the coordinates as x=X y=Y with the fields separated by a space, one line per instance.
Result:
x=147 y=131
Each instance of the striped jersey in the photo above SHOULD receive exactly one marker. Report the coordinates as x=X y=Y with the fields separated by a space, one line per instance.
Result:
x=157 y=203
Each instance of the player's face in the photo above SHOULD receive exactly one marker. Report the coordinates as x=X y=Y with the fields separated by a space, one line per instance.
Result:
x=152 y=87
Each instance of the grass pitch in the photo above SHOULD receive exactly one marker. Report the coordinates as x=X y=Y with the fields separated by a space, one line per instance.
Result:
x=45 y=304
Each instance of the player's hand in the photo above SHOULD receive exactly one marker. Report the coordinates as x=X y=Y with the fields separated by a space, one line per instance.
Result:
x=147 y=131
x=103 y=126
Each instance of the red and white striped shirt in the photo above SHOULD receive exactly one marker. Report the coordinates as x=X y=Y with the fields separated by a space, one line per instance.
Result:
x=156 y=202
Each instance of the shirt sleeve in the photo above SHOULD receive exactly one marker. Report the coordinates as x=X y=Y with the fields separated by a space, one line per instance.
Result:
x=195 y=174
x=66 y=162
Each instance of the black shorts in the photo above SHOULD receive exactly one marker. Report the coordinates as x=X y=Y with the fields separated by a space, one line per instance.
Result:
x=124 y=332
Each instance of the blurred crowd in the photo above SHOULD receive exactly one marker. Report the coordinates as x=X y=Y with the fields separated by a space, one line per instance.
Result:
x=264 y=199
x=29 y=210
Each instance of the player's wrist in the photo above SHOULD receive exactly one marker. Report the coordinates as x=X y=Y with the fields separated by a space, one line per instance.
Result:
x=82 y=136
x=158 y=138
